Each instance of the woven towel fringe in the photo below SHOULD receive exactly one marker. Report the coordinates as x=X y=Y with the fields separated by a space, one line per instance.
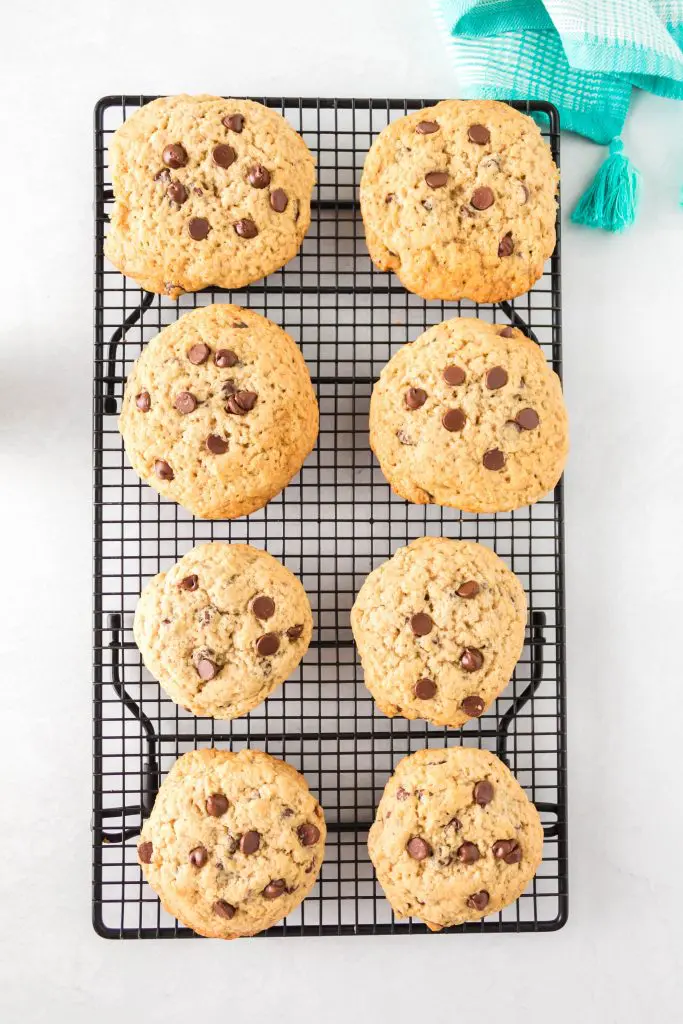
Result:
x=611 y=200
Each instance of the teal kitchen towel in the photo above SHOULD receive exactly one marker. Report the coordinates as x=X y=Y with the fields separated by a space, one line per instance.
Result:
x=585 y=56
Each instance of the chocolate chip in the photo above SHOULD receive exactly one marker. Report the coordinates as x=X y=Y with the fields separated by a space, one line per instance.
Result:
x=483 y=792
x=468 y=589
x=479 y=134
x=198 y=857
x=174 y=155
x=494 y=459
x=287 y=812
x=177 y=193
x=241 y=402
x=436 y=179
x=163 y=175
x=401 y=794
x=294 y=632
x=426 y=127
x=199 y=228
x=224 y=909
x=145 y=851
x=415 y=398
x=472 y=706
x=308 y=834
x=249 y=843
x=507 y=850
x=235 y=122
x=198 y=354
x=189 y=582
x=198 y=191
x=229 y=388
x=268 y=644
x=454 y=375
x=482 y=198
x=421 y=624
x=225 y=358
x=246 y=228
x=279 y=200
x=478 y=900
x=507 y=332
x=143 y=401
x=454 y=419
x=206 y=669
x=418 y=848
x=246 y=400
x=163 y=470
x=258 y=176
x=185 y=403
x=471 y=659
x=496 y=378
x=217 y=445
x=389 y=198
x=425 y=689
x=275 y=888
x=216 y=805
x=263 y=607
x=506 y=245
x=527 y=419
x=468 y=853
x=224 y=156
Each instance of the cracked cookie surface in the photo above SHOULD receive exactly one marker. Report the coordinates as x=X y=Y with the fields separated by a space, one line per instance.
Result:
x=234 y=842
x=439 y=628
x=459 y=201
x=223 y=628
x=470 y=415
x=207 y=192
x=219 y=411
x=455 y=837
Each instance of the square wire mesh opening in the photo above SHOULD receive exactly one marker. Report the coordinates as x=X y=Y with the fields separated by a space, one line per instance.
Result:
x=335 y=522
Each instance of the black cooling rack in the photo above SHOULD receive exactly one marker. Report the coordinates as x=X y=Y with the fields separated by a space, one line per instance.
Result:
x=333 y=524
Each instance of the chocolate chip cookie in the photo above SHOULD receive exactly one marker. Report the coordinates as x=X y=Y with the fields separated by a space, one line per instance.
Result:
x=455 y=837
x=223 y=628
x=459 y=201
x=207 y=192
x=470 y=415
x=219 y=412
x=439 y=628
x=234 y=842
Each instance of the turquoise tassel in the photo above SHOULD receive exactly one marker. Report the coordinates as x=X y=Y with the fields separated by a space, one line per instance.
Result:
x=611 y=200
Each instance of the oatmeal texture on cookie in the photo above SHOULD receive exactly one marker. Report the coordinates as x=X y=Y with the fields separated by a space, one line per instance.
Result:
x=455 y=837
x=207 y=192
x=459 y=201
x=223 y=628
x=234 y=842
x=219 y=411
x=439 y=629
x=470 y=415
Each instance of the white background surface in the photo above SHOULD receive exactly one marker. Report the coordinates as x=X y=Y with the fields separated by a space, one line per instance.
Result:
x=619 y=958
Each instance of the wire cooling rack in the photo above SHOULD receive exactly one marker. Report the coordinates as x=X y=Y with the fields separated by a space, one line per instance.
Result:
x=335 y=522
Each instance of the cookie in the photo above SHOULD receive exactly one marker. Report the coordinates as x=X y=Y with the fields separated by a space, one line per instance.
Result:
x=459 y=201
x=219 y=412
x=207 y=192
x=439 y=629
x=455 y=837
x=223 y=628
x=234 y=842
x=470 y=415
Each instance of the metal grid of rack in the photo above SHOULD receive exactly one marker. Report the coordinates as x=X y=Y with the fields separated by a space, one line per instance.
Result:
x=335 y=522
